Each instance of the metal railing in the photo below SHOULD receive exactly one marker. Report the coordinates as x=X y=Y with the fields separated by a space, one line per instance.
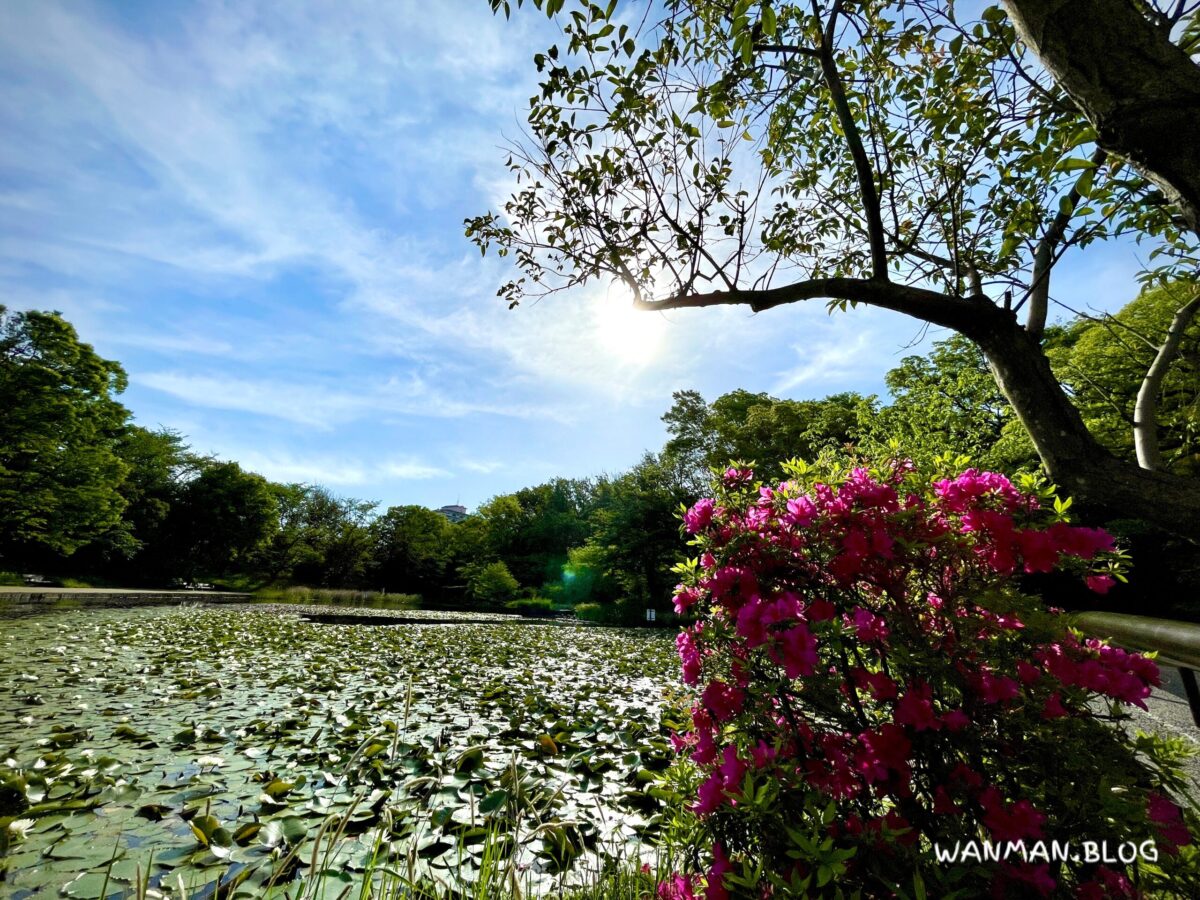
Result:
x=1177 y=643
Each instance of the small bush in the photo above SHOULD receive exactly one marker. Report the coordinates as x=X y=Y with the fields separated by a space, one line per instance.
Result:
x=531 y=606
x=590 y=612
x=492 y=583
x=874 y=691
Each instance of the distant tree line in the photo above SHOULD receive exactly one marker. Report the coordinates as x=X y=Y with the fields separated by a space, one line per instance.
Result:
x=86 y=492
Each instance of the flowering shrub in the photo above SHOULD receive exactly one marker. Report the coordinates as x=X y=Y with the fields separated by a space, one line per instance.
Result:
x=873 y=691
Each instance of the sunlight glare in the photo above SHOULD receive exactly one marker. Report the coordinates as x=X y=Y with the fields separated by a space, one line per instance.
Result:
x=626 y=333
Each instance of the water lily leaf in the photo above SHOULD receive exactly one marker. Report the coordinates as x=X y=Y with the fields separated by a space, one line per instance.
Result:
x=204 y=827
x=469 y=760
x=278 y=789
x=246 y=833
x=493 y=802
x=88 y=885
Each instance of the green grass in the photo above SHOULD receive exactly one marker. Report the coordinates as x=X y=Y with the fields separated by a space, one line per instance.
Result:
x=338 y=597
x=591 y=612
x=392 y=879
x=11 y=579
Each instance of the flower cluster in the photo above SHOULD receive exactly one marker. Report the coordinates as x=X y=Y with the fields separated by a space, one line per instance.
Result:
x=862 y=660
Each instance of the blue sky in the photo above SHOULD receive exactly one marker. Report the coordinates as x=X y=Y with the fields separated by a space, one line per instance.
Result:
x=257 y=208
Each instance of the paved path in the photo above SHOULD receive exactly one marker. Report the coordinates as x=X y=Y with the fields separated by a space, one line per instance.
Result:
x=1168 y=715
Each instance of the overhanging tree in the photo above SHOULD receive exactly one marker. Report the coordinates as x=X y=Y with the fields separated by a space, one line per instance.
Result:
x=760 y=153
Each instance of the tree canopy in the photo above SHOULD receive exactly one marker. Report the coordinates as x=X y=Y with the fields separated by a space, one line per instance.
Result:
x=894 y=154
x=60 y=471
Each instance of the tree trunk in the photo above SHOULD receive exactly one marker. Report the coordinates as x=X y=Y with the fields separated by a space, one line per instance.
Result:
x=1139 y=91
x=1102 y=485
x=1145 y=410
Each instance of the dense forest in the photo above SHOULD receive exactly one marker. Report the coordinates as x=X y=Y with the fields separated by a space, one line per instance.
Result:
x=86 y=493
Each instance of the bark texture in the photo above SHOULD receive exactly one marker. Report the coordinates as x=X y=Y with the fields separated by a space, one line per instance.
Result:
x=1139 y=90
x=1102 y=485
x=1145 y=410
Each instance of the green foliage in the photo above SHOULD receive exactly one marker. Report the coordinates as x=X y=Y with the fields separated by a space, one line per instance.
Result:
x=322 y=539
x=742 y=425
x=411 y=549
x=220 y=520
x=948 y=402
x=530 y=606
x=60 y=469
x=336 y=597
x=1103 y=361
x=493 y=583
x=533 y=529
x=590 y=612
x=634 y=536
x=692 y=154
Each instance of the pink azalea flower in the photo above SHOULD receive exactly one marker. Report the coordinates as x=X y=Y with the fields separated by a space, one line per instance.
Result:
x=1167 y=819
x=723 y=700
x=677 y=887
x=801 y=512
x=1053 y=708
x=796 y=650
x=689 y=656
x=715 y=887
x=1010 y=822
x=869 y=627
x=700 y=516
x=915 y=709
x=955 y=720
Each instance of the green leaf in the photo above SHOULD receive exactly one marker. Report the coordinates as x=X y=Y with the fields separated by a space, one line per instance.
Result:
x=1074 y=164
x=769 y=22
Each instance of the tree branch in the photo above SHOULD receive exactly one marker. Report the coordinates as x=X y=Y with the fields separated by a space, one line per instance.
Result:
x=1139 y=90
x=787 y=48
x=1145 y=410
x=862 y=165
x=967 y=315
x=1044 y=257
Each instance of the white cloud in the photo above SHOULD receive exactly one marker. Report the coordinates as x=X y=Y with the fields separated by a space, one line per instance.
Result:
x=480 y=466
x=834 y=357
x=334 y=470
x=320 y=406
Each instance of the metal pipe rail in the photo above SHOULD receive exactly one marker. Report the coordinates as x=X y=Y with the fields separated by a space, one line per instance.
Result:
x=1177 y=643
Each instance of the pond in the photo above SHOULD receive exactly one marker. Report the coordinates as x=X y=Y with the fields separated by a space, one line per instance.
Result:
x=244 y=747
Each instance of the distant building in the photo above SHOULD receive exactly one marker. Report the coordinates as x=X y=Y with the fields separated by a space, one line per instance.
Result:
x=454 y=513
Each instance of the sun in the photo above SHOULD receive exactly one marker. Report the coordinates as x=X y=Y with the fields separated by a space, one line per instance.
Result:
x=627 y=334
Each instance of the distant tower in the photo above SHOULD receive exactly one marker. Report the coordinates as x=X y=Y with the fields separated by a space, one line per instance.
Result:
x=454 y=513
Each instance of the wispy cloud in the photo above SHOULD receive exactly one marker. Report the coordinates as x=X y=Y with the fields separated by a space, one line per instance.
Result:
x=322 y=406
x=257 y=207
x=481 y=466
x=824 y=363
x=337 y=471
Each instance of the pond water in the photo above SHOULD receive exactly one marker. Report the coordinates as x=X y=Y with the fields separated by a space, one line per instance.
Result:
x=245 y=747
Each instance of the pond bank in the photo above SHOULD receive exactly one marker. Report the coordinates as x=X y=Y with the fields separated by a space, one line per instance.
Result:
x=21 y=600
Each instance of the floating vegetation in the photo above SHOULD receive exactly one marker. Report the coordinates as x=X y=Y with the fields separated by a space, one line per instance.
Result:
x=240 y=749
